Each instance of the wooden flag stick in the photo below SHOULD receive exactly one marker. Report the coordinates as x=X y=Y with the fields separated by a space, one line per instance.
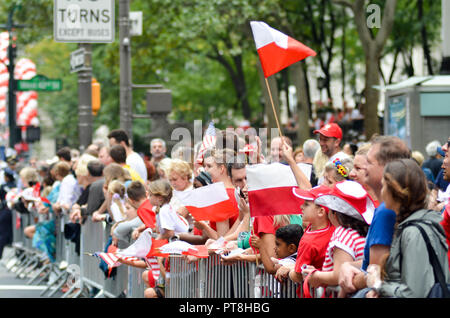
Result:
x=273 y=108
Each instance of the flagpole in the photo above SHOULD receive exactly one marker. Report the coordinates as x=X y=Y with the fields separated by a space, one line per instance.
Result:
x=273 y=107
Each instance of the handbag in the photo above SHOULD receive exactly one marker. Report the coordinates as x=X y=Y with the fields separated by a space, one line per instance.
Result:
x=440 y=289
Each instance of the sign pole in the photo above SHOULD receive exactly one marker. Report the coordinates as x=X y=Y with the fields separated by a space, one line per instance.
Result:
x=126 y=97
x=85 y=99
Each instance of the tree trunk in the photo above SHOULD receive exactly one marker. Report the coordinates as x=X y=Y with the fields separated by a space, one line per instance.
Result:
x=344 y=51
x=241 y=88
x=372 y=96
x=285 y=77
x=372 y=50
x=423 y=32
x=237 y=77
x=303 y=113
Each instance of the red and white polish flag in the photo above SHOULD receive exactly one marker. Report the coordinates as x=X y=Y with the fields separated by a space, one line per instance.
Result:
x=209 y=203
x=277 y=50
x=270 y=189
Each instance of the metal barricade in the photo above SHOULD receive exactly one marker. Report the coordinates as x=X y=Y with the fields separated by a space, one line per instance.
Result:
x=119 y=283
x=94 y=236
x=71 y=256
x=136 y=285
x=92 y=240
x=210 y=278
x=186 y=280
x=270 y=287
x=17 y=226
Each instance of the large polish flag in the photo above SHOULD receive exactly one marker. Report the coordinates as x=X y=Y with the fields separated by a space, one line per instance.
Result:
x=277 y=50
x=209 y=203
x=270 y=189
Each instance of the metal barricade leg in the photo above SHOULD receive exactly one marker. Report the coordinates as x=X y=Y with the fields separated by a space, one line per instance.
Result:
x=37 y=275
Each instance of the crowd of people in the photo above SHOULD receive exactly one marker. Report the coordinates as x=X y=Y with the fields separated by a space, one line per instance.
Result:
x=368 y=216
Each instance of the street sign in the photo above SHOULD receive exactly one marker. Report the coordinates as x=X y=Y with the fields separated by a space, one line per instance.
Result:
x=135 y=23
x=83 y=21
x=77 y=60
x=39 y=83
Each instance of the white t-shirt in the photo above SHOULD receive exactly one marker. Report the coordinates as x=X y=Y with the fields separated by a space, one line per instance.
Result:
x=175 y=203
x=137 y=163
x=168 y=219
x=69 y=190
x=115 y=210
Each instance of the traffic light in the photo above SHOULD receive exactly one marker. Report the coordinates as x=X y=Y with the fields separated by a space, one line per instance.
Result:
x=96 y=96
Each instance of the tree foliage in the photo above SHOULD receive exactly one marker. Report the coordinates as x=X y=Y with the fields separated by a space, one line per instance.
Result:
x=203 y=50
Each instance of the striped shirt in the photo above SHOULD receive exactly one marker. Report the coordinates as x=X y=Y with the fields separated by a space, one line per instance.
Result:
x=347 y=239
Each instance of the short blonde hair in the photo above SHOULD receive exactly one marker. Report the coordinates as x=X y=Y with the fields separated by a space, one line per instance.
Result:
x=418 y=157
x=363 y=150
x=164 y=165
x=82 y=163
x=221 y=156
x=29 y=174
x=180 y=167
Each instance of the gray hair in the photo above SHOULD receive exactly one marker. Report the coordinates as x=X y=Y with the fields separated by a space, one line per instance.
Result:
x=158 y=140
x=431 y=148
x=310 y=147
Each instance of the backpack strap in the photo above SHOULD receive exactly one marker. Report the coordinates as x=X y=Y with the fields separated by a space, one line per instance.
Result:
x=437 y=269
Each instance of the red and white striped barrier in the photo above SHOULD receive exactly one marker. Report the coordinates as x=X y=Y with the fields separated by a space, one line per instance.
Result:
x=27 y=111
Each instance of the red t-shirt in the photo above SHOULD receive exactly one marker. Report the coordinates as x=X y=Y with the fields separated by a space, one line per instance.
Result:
x=446 y=225
x=313 y=247
x=264 y=224
x=146 y=214
x=230 y=192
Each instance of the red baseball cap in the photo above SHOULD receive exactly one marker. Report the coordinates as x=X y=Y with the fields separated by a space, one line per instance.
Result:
x=330 y=130
x=311 y=194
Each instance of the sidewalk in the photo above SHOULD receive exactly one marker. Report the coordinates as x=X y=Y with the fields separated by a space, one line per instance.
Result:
x=13 y=287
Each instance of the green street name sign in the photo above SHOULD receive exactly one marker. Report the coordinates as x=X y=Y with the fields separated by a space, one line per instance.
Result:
x=39 y=83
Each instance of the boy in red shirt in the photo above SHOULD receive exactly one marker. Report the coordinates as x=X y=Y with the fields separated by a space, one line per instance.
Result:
x=137 y=197
x=314 y=242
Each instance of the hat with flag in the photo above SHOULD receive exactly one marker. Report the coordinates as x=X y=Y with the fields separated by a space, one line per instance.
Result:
x=311 y=194
x=277 y=50
x=330 y=130
x=349 y=198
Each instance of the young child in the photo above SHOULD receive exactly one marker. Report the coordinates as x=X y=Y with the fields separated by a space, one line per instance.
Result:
x=122 y=230
x=351 y=211
x=117 y=190
x=168 y=222
x=137 y=197
x=287 y=239
x=312 y=246
x=337 y=171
